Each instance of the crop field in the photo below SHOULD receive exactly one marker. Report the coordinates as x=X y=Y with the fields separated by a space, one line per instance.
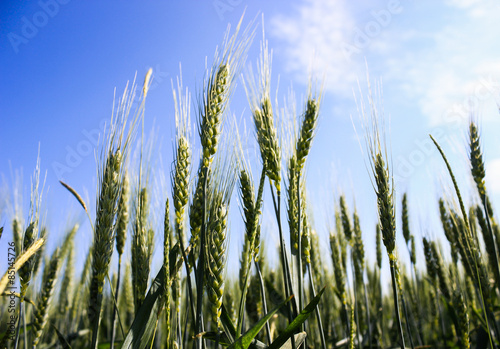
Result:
x=117 y=298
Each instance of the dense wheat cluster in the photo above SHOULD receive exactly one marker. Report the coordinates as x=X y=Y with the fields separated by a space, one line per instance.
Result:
x=308 y=300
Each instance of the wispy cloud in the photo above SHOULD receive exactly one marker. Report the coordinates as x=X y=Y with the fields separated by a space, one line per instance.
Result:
x=312 y=38
x=492 y=175
x=441 y=58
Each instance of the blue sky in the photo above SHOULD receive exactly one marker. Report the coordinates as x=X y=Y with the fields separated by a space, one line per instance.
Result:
x=62 y=60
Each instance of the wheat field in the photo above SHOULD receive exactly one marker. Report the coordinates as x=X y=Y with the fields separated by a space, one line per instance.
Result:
x=307 y=299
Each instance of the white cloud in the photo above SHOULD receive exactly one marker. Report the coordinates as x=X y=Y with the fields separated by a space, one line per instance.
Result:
x=493 y=176
x=463 y=3
x=442 y=63
x=315 y=36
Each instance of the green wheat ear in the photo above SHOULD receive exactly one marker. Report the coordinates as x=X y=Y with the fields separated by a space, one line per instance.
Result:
x=123 y=215
x=181 y=183
x=44 y=300
x=67 y=282
x=305 y=242
x=216 y=259
x=248 y=203
x=463 y=320
x=358 y=250
x=405 y=218
x=142 y=248
x=104 y=231
x=378 y=237
x=476 y=159
x=114 y=153
x=345 y=219
x=309 y=124
x=293 y=204
x=259 y=97
x=220 y=186
x=385 y=204
x=316 y=260
x=338 y=267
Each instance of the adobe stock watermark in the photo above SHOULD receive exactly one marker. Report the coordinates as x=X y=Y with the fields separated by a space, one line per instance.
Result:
x=159 y=76
x=31 y=26
x=459 y=113
x=455 y=118
x=223 y=6
x=362 y=37
x=85 y=147
x=76 y=154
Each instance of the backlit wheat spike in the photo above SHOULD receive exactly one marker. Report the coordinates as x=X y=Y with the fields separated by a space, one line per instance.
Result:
x=316 y=261
x=41 y=252
x=309 y=123
x=123 y=215
x=114 y=151
x=405 y=219
x=181 y=183
x=341 y=238
x=440 y=272
x=338 y=268
x=346 y=221
x=16 y=234
x=217 y=236
x=248 y=204
x=476 y=159
x=196 y=209
x=25 y=272
x=104 y=231
x=352 y=333
x=448 y=229
x=378 y=237
x=384 y=190
x=385 y=204
x=489 y=243
x=217 y=89
x=258 y=213
x=268 y=141
x=67 y=281
x=177 y=294
x=471 y=293
x=44 y=300
x=142 y=248
x=259 y=97
x=221 y=184
x=463 y=320
x=461 y=236
x=478 y=174
x=358 y=250
x=306 y=237
x=413 y=250
x=293 y=208
x=215 y=103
